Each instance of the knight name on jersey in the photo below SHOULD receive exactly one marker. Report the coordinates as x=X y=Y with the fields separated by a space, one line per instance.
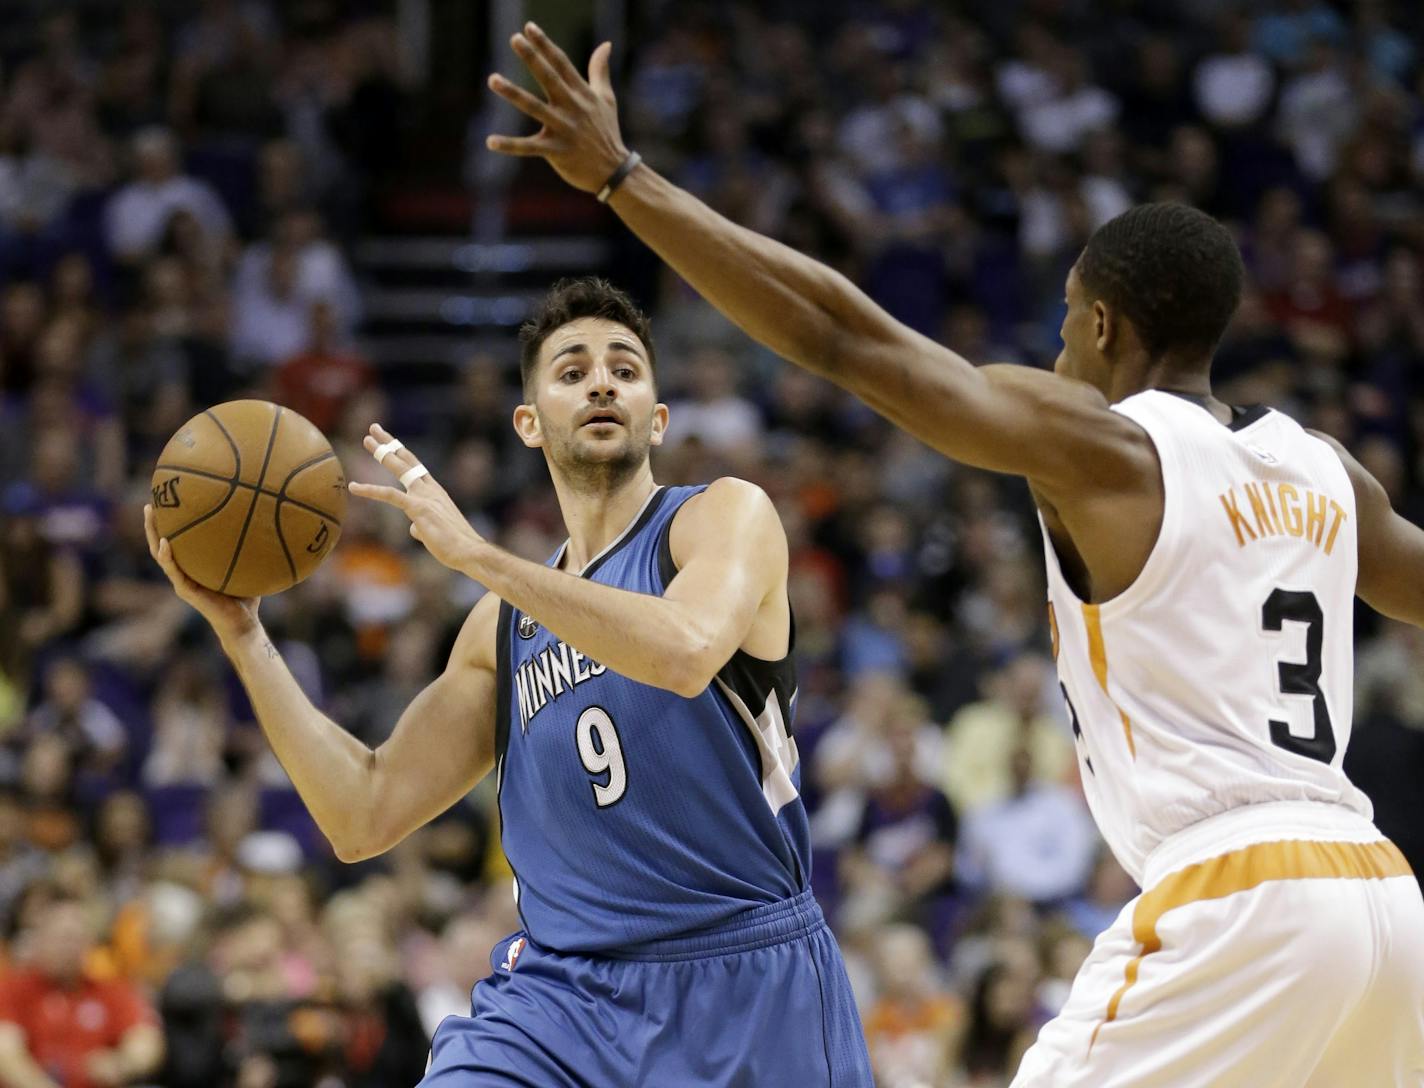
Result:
x=548 y=674
x=1265 y=509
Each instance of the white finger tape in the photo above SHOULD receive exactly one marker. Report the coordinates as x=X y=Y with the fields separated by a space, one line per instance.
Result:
x=385 y=449
x=410 y=475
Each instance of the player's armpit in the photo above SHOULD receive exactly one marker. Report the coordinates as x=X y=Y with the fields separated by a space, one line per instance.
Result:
x=1391 y=549
x=731 y=555
x=441 y=747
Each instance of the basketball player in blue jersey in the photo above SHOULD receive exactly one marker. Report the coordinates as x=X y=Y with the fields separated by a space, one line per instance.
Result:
x=634 y=697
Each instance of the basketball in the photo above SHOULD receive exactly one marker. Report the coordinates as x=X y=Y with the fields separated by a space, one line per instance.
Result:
x=250 y=496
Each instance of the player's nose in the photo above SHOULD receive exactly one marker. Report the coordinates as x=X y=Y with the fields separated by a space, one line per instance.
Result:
x=601 y=386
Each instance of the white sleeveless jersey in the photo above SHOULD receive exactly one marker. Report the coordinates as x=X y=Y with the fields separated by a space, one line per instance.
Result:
x=1222 y=677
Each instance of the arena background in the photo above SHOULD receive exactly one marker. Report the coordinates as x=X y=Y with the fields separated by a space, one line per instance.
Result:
x=200 y=201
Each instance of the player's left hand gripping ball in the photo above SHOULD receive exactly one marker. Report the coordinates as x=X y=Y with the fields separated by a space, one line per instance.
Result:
x=435 y=520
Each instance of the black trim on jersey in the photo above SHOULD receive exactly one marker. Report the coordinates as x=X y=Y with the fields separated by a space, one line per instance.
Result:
x=1242 y=416
x=1245 y=416
x=503 y=680
x=652 y=508
x=503 y=686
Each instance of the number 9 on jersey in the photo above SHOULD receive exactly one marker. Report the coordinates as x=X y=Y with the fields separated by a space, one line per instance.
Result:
x=601 y=752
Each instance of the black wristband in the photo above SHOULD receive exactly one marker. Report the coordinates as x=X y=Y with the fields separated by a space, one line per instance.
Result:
x=618 y=176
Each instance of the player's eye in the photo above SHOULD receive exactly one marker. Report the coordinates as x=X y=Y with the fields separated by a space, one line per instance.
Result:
x=571 y=377
x=627 y=373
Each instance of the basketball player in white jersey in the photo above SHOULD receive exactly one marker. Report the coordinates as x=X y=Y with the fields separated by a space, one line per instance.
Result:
x=1202 y=566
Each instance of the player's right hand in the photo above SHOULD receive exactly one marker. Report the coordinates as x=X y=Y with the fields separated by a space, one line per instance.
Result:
x=229 y=616
x=579 y=137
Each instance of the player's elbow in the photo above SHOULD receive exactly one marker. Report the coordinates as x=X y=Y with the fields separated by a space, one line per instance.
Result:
x=349 y=852
x=691 y=685
x=350 y=849
x=697 y=662
x=359 y=838
x=689 y=677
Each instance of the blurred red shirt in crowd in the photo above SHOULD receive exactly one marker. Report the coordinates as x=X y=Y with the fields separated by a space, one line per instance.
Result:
x=318 y=382
x=77 y=1031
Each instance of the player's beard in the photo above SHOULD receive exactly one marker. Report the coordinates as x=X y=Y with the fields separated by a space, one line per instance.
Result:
x=604 y=472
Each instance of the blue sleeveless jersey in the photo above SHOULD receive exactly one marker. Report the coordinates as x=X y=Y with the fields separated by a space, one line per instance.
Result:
x=629 y=813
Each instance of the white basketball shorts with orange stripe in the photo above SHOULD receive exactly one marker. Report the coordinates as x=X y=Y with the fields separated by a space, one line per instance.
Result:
x=1275 y=946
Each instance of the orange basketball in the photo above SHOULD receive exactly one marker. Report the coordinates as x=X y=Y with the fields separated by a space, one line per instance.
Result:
x=251 y=497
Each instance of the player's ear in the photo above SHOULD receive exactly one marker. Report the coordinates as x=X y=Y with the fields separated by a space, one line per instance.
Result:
x=660 y=424
x=1105 y=326
x=527 y=426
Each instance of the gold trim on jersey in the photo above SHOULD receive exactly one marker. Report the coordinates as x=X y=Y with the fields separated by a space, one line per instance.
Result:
x=1098 y=654
x=1242 y=870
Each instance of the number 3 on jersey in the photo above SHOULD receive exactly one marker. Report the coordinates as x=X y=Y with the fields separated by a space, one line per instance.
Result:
x=601 y=753
x=1297 y=678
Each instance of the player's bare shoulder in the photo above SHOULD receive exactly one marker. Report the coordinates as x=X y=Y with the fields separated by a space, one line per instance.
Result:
x=729 y=508
x=476 y=644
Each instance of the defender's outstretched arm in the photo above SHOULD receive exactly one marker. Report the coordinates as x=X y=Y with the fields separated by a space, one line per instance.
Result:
x=1057 y=432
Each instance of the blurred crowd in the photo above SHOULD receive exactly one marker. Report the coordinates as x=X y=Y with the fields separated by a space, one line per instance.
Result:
x=178 y=196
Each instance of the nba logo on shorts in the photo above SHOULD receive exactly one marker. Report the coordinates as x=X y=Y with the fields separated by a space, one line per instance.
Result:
x=511 y=955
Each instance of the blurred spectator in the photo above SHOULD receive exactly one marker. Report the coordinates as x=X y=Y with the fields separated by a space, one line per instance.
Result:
x=190 y=726
x=715 y=415
x=70 y=712
x=22 y=318
x=320 y=381
x=980 y=741
x=1234 y=86
x=902 y=858
x=1318 y=109
x=1074 y=107
x=60 y=1027
x=912 y=1029
x=1108 y=891
x=139 y=213
x=1285 y=30
x=41 y=585
x=274 y=319
x=1063 y=950
x=1003 y=1020
x=1037 y=843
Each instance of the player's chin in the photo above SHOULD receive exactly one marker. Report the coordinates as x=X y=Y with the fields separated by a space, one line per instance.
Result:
x=606 y=442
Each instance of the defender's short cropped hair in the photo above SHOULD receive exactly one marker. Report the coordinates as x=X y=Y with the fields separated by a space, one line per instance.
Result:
x=1174 y=271
x=570 y=299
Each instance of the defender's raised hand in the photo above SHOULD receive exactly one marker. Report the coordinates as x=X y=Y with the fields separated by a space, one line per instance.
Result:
x=579 y=117
x=435 y=520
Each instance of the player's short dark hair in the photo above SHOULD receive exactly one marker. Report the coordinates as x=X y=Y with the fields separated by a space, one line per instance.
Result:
x=570 y=299
x=1174 y=271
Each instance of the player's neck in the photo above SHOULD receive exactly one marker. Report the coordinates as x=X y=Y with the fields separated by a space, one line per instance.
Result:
x=596 y=513
x=1191 y=380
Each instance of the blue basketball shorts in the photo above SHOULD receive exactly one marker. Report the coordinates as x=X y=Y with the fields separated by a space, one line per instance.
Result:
x=761 y=1001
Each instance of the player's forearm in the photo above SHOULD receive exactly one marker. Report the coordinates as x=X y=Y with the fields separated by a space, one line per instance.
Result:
x=799 y=308
x=331 y=769
x=645 y=638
